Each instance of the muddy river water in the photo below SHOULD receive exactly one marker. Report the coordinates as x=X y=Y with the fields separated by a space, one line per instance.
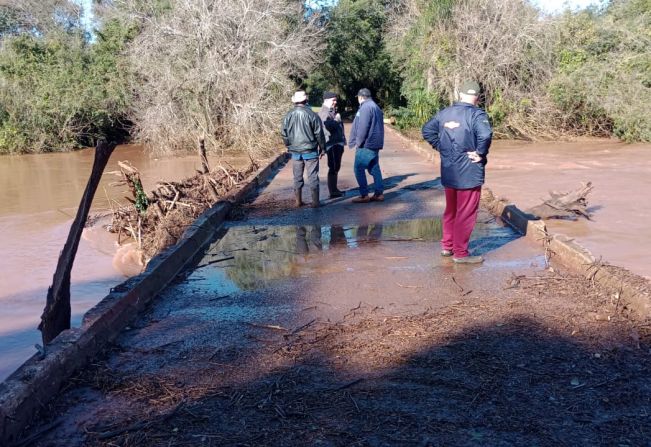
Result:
x=620 y=203
x=39 y=195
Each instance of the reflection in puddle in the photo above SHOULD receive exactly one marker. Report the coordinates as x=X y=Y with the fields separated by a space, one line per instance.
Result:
x=246 y=258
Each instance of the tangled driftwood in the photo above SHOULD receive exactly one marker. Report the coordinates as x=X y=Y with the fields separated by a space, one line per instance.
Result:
x=569 y=205
x=158 y=219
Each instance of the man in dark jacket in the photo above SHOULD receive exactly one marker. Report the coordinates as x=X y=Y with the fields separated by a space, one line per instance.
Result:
x=302 y=133
x=335 y=140
x=367 y=137
x=462 y=135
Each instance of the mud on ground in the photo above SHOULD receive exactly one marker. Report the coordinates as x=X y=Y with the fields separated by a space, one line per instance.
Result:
x=548 y=362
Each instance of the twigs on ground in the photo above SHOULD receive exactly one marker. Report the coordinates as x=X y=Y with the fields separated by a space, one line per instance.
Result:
x=140 y=425
x=273 y=327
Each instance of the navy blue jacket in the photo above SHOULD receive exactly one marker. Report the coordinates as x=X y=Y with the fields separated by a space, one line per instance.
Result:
x=368 y=127
x=455 y=130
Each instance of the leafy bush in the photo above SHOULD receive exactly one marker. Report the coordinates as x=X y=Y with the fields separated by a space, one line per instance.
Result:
x=603 y=80
x=585 y=73
x=421 y=107
x=355 y=55
x=61 y=92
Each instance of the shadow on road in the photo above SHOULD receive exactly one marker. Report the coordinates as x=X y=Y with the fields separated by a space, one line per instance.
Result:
x=429 y=379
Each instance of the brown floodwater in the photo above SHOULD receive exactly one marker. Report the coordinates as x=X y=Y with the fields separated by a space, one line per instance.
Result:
x=620 y=229
x=39 y=195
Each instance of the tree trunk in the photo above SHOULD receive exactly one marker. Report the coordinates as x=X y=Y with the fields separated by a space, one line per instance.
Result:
x=202 y=155
x=56 y=315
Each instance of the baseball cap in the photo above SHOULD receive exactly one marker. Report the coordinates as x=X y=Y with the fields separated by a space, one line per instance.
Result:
x=470 y=88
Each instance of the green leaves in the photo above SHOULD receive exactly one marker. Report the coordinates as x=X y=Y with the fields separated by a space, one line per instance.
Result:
x=355 y=56
x=603 y=79
x=60 y=92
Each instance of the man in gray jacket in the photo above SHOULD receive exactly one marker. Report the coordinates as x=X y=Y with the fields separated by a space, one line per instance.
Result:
x=302 y=132
x=335 y=140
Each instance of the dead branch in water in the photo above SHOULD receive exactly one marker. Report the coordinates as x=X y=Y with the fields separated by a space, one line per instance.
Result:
x=56 y=315
x=569 y=205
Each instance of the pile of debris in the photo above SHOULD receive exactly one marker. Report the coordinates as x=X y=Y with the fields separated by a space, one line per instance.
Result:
x=570 y=205
x=157 y=220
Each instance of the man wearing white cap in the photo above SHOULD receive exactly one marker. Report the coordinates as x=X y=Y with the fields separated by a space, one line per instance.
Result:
x=302 y=132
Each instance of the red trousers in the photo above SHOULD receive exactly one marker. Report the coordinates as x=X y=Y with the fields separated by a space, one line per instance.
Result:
x=461 y=206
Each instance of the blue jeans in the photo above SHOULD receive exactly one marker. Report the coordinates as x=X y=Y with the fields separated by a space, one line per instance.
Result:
x=368 y=160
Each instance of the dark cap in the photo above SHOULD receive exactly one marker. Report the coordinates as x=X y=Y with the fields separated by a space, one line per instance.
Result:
x=364 y=92
x=329 y=95
x=470 y=88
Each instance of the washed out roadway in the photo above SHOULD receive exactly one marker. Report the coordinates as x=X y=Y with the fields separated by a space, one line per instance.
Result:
x=343 y=326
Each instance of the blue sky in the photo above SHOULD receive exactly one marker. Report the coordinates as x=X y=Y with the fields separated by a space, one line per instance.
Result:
x=87 y=18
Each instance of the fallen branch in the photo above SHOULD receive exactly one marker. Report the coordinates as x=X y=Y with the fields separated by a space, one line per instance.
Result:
x=569 y=205
x=273 y=327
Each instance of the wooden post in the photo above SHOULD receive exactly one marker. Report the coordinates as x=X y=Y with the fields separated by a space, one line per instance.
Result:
x=56 y=315
x=202 y=155
x=206 y=170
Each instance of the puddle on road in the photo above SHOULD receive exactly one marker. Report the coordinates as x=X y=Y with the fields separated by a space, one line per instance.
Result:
x=247 y=258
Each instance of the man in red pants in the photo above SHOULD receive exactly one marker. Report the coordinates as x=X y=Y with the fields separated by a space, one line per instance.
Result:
x=462 y=135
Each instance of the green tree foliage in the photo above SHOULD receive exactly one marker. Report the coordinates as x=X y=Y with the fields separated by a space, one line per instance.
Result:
x=355 y=54
x=501 y=43
x=586 y=72
x=410 y=42
x=603 y=79
x=59 y=91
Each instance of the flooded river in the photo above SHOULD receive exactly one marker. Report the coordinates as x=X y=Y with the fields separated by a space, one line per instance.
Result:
x=620 y=229
x=39 y=195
